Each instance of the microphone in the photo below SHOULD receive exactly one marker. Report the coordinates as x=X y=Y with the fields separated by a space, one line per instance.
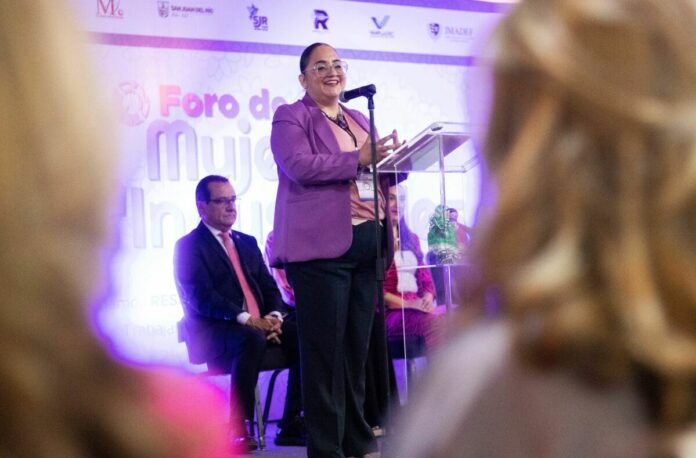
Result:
x=364 y=91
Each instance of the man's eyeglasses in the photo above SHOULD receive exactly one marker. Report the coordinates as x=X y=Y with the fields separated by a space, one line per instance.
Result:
x=224 y=201
x=322 y=68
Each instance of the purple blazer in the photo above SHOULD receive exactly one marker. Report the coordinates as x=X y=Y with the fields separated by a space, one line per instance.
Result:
x=312 y=209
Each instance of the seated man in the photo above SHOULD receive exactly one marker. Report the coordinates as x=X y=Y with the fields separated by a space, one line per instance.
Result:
x=232 y=307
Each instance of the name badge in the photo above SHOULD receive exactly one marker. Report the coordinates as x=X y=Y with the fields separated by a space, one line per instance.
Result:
x=366 y=191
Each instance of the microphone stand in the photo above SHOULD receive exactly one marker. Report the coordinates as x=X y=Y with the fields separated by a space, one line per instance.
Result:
x=379 y=264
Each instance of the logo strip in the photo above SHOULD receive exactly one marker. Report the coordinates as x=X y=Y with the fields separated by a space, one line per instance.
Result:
x=146 y=41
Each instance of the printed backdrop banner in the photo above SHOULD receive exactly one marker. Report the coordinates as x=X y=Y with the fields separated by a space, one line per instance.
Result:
x=196 y=83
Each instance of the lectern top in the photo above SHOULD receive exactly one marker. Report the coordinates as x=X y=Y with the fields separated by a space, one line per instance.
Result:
x=427 y=148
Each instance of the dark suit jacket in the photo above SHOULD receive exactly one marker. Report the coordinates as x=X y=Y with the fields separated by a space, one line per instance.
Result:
x=210 y=291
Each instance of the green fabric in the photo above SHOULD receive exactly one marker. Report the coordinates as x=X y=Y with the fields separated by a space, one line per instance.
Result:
x=442 y=236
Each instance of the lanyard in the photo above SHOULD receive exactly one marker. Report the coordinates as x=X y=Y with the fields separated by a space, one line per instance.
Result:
x=341 y=122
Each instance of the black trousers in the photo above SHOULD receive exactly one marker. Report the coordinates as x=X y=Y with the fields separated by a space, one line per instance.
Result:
x=335 y=301
x=381 y=391
x=245 y=348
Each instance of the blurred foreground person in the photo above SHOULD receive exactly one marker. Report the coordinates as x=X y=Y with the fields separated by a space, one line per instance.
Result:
x=592 y=147
x=61 y=395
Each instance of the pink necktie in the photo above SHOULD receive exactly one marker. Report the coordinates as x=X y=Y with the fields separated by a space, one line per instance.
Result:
x=252 y=306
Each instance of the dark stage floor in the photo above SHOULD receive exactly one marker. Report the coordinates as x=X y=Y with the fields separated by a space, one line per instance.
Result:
x=274 y=451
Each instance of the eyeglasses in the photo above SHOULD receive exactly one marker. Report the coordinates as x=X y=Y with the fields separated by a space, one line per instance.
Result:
x=322 y=68
x=224 y=201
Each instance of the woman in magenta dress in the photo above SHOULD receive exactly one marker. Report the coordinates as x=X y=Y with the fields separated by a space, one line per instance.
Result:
x=409 y=292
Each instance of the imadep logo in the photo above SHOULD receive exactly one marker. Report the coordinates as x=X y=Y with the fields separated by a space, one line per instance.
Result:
x=459 y=34
x=321 y=17
x=259 y=22
x=434 y=29
x=381 y=32
x=132 y=102
x=110 y=9
x=452 y=33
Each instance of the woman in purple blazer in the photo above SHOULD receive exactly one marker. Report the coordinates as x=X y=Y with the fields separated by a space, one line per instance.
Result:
x=325 y=238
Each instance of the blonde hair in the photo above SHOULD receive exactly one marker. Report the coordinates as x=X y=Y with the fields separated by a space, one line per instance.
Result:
x=61 y=395
x=592 y=146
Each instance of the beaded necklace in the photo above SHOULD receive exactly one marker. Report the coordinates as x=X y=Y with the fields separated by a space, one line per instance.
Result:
x=341 y=122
